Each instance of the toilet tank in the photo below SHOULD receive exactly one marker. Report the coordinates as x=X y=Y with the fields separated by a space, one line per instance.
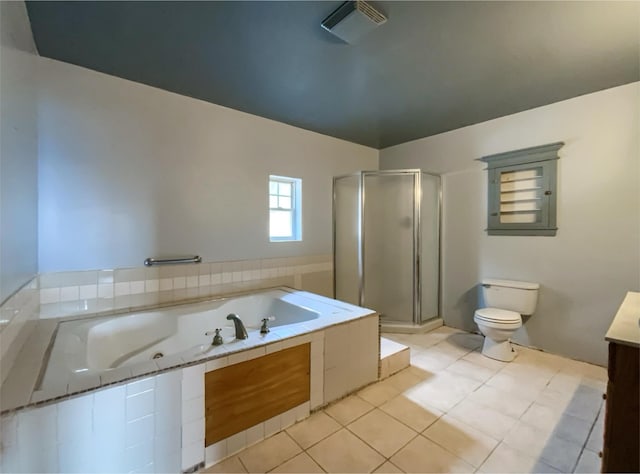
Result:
x=519 y=296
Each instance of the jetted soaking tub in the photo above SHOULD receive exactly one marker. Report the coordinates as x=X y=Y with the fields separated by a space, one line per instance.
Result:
x=99 y=345
x=117 y=404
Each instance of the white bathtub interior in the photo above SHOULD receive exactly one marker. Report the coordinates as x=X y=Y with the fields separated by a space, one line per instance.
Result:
x=96 y=345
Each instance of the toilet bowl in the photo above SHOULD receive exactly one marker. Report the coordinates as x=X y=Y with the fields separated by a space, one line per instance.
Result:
x=506 y=300
x=497 y=326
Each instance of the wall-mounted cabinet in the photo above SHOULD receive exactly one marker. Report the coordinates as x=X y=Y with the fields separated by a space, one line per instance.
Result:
x=522 y=191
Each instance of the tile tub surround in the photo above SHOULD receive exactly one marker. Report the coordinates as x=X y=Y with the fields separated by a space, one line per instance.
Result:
x=101 y=292
x=17 y=315
x=86 y=292
x=157 y=423
x=452 y=410
x=18 y=391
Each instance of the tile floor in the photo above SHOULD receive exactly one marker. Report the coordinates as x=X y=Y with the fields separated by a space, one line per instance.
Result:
x=452 y=410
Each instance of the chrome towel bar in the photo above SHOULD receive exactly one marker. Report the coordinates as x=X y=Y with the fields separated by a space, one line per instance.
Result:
x=172 y=261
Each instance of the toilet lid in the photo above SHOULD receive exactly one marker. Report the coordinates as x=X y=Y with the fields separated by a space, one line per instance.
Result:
x=497 y=315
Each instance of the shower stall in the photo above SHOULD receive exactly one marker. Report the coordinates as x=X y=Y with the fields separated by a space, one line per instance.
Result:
x=386 y=245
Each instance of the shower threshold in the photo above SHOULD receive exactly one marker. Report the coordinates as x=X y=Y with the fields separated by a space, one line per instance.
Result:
x=410 y=328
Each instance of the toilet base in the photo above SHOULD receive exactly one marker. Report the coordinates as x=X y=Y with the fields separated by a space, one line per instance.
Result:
x=502 y=351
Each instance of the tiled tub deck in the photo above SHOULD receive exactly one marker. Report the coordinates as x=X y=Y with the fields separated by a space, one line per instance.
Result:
x=156 y=422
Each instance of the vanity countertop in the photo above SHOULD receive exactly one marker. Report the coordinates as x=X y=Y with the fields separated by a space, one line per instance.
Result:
x=625 y=327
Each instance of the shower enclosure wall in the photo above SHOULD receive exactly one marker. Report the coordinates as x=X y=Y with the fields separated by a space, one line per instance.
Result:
x=386 y=237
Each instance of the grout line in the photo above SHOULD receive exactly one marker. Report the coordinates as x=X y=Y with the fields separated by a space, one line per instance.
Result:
x=240 y=461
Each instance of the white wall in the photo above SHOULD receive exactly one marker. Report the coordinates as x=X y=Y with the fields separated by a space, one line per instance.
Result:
x=594 y=260
x=128 y=171
x=18 y=150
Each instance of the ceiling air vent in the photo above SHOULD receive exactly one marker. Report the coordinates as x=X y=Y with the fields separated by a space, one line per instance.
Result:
x=353 y=19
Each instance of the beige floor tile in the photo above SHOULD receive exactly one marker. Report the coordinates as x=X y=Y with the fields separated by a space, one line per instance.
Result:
x=443 y=391
x=596 y=438
x=420 y=373
x=410 y=413
x=432 y=360
x=450 y=349
x=315 y=428
x=423 y=455
x=428 y=339
x=585 y=403
x=586 y=370
x=572 y=429
x=589 y=462
x=601 y=385
x=344 y=452
x=348 y=409
x=382 y=432
x=555 y=399
x=501 y=401
x=528 y=439
x=269 y=453
x=488 y=420
x=525 y=386
x=477 y=358
x=505 y=459
x=388 y=468
x=459 y=345
x=467 y=443
x=466 y=340
x=560 y=454
x=231 y=465
x=565 y=383
x=378 y=393
x=543 y=361
x=302 y=463
x=404 y=380
x=542 y=417
x=471 y=370
x=532 y=367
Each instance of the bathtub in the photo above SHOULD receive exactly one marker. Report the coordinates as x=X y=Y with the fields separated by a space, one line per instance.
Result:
x=154 y=339
x=103 y=395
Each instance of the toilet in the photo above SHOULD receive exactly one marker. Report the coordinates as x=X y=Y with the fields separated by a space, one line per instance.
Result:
x=506 y=301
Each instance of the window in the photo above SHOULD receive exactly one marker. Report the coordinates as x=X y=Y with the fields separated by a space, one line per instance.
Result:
x=522 y=191
x=285 y=209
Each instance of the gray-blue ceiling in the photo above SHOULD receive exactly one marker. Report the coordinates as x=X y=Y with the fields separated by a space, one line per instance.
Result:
x=433 y=67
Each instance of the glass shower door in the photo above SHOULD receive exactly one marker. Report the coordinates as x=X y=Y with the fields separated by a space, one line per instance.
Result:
x=389 y=226
x=346 y=244
x=430 y=246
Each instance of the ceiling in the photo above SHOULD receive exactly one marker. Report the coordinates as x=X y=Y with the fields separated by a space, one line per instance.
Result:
x=433 y=67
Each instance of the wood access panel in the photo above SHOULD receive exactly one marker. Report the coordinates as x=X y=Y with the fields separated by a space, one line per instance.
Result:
x=240 y=396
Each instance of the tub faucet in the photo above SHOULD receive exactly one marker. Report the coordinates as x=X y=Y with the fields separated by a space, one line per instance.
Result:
x=241 y=332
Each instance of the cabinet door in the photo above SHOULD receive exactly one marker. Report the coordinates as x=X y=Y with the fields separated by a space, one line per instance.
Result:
x=521 y=198
x=621 y=451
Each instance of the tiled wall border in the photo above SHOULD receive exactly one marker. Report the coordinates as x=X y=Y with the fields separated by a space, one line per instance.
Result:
x=69 y=293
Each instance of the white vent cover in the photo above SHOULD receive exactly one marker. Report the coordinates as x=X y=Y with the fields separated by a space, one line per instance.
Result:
x=352 y=20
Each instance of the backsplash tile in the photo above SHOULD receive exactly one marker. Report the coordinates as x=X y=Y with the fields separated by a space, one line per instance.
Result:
x=125 y=288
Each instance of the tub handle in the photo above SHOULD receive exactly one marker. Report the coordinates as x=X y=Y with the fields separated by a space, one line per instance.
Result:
x=265 y=328
x=217 y=338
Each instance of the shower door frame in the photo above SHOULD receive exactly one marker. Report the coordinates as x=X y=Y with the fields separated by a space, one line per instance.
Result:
x=417 y=235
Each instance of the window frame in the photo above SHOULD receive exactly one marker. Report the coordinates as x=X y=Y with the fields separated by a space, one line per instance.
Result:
x=544 y=157
x=295 y=208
